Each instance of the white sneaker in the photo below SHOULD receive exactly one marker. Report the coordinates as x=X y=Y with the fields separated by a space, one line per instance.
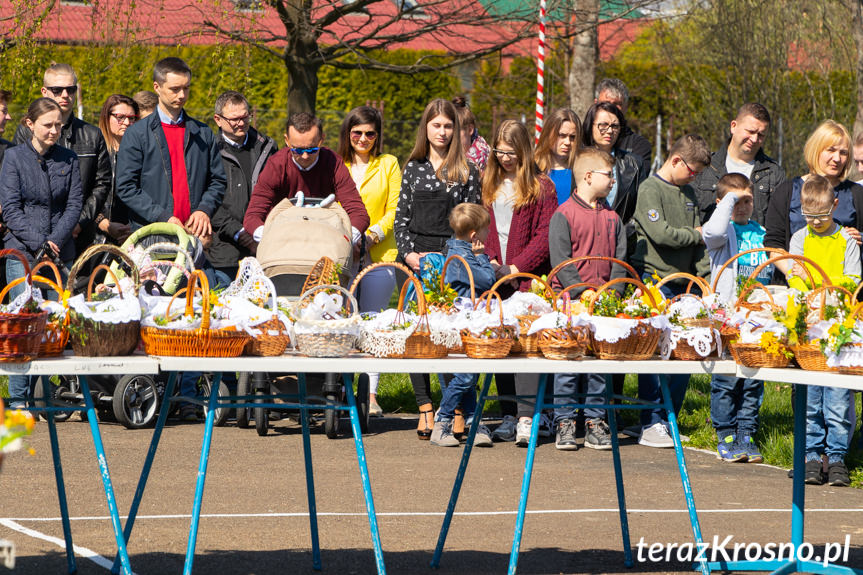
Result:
x=655 y=436
x=506 y=430
x=482 y=437
x=522 y=433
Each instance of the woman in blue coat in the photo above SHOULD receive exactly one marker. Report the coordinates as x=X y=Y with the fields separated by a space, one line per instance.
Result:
x=40 y=195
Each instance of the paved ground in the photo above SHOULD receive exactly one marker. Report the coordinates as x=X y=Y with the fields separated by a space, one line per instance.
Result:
x=255 y=505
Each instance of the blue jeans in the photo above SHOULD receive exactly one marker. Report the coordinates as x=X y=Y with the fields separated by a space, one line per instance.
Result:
x=376 y=288
x=649 y=390
x=734 y=404
x=827 y=424
x=21 y=386
x=567 y=384
x=461 y=390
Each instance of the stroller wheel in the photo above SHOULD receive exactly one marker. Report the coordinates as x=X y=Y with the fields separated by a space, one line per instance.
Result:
x=243 y=387
x=59 y=385
x=136 y=401
x=262 y=414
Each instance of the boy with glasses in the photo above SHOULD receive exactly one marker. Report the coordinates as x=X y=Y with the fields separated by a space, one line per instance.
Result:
x=828 y=426
x=60 y=83
x=669 y=241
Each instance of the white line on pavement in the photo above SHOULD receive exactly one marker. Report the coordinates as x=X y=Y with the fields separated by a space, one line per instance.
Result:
x=79 y=551
x=425 y=513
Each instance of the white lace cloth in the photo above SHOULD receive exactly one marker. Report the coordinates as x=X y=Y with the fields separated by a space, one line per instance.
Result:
x=525 y=303
x=322 y=315
x=613 y=329
x=478 y=320
x=115 y=310
x=702 y=339
x=556 y=320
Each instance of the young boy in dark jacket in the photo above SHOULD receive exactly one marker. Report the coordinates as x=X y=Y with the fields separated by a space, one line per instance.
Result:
x=470 y=222
x=585 y=225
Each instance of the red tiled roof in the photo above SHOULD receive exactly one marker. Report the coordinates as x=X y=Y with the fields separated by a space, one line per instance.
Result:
x=181 y=21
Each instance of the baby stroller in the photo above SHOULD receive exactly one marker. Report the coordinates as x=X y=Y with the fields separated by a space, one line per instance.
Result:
x=305 y=243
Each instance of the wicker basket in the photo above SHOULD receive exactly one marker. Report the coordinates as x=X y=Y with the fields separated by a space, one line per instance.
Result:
x=495 y=345
x=419 y=344
x=569 y=343
x=95 y=338
x=526 y=345
x=199 y=342
x=322 y=273
x=326 y=342
x=751 y=355
x=810 y=357
x=20 y=333
x=57 y=331
x=683 y=351
x=273 y=340
x=643 y=339
x=852 y=370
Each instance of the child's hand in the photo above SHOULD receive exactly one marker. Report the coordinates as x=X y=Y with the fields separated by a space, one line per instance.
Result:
x=477 y=247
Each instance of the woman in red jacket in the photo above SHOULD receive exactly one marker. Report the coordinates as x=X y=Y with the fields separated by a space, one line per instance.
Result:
x=521 y=201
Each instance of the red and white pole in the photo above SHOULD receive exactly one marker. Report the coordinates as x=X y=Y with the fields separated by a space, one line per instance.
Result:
x=540 y=72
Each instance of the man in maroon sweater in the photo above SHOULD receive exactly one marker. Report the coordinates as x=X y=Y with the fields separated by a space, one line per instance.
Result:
x=304 y=166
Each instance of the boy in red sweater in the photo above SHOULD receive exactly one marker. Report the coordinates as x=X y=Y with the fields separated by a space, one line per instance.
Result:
x=585 y=225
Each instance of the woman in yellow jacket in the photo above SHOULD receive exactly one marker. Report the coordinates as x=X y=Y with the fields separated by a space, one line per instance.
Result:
x=378 y=179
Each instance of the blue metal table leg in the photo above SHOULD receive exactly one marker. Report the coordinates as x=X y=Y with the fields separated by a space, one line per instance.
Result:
x=798 y=498
x=148 y=464
x=364 y=471
x=618 y=474
x=528 y=471
x=310 y=478
x=202 y=473
x=462 y=469
x=58 y=476
x=684 y=473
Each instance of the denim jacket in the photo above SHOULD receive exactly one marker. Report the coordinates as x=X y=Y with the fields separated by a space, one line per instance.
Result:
x=480 y=266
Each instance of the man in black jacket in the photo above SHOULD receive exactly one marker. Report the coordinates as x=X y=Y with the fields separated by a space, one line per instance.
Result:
x=742 y=155
x=244 y=152
x=615 y=92
x=60 y=83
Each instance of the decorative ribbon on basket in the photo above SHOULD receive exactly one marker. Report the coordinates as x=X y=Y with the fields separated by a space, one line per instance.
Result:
x=272 y=337
x=202 y=341
x=495 y=341
x=403 y=338
x=527 y=345
x=808 y=353
x=91 y=330
x=329 y=336
x=690 y=338
x=623 y=338
x=21 y=332
x=769 y=351
x=56 y=330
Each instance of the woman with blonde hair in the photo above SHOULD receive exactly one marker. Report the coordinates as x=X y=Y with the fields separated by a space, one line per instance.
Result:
x=827 y=153
x=557 y=149
x=520 y=200
x=436 y=178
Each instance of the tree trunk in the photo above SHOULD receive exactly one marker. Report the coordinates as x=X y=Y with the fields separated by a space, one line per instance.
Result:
x=302 y=85
x=582 y=70
x=857 y=25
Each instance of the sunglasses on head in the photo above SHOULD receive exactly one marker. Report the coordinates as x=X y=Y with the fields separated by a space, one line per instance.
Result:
x=58 y=90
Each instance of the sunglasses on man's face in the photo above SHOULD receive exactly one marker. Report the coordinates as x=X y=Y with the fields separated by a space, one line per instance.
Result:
x=301 y=151
x=58 y=90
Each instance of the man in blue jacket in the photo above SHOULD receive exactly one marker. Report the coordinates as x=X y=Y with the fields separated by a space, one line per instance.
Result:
x=168 y=166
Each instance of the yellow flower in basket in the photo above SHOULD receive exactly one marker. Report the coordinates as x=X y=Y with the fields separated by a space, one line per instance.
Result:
x=654 y=291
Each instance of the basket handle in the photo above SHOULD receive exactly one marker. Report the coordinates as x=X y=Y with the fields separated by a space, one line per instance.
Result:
x=97 y=249
x=27 y=271
x=797 y=258
x=853 y=298
x=58 y=279
x=320 y=273
x=545 y=285
x=93 y=279
x=197 y=281
x=587 y=285
x=769 y=251
x=822 y=291
x=356 y=283
x=487 y=299
x=700 y=282
x=351 y=299
x=616 y=281
x=422 y=306
x=469 y=275
x=578 y=259
x=741 y=299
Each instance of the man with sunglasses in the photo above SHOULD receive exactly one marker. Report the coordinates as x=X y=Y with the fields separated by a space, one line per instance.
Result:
x=742 y=155
x=304 y=165
x=244 y=152
x=169 y=168
x=60 y=83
